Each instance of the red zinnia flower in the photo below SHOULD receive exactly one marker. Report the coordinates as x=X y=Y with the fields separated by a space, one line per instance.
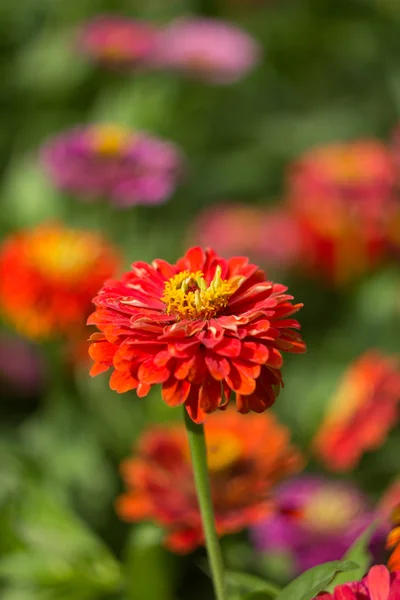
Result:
x=242 y=467
x=378 y=584
x=362 y=411
x=48 y=277
x=202 y=328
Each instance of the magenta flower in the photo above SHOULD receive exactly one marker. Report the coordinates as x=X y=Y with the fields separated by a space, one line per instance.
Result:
x=317 y=521
x=109 y=161
x=378 y=584
x=118 y=41
x=211 y=50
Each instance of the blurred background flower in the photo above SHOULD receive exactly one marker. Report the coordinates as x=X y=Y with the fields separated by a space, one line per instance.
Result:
x=118 y=42
x=22 y=369
x=48 y=276
x=109 y=161
x=317 y=519
x=364 y=408
x=208 y=49
x=243 y=471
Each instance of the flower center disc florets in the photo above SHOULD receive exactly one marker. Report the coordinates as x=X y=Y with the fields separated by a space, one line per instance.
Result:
x=187 y=295
x=109 y=140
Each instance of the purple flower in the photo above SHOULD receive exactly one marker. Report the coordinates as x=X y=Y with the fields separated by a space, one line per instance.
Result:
x=118 y=41
x=212 y=50
x=22 y=369
x=112 y=162
x=317 y=521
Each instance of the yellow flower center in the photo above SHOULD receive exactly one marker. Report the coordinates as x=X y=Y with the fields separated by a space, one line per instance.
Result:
x=109 y=140
x=187 y=295
x=331 y=510
x=62 y=255
x=223 y=449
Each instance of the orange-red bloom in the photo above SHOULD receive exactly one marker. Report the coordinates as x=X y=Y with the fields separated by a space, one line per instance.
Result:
x=246 y=457
x=361 y=412
x=343 y=196
x=48 y=276
x=203 y=328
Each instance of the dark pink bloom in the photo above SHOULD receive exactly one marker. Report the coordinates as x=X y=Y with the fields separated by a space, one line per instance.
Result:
x=111 y=162
x=316 y=521
x=118 y=41
x=212 y=50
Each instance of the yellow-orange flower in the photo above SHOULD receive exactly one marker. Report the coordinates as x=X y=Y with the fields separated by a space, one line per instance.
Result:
x=361 y=412
x=247 y=456
x=48 y=276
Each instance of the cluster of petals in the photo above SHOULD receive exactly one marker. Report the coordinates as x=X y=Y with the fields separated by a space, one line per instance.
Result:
x=48 y=276
x=243 y=469
x=199 y=360
x=110 y=162
x=361 y=412
x=378 y=584
x=343 y=197
x=270 y=236
x=316 y=520
x=208 y=49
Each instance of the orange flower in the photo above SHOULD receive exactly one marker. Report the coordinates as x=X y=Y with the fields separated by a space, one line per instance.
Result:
x=393 y=541
x=48 y=277
x=361 y=412
x=343 y=197
x=202 y=328
x=243 y=469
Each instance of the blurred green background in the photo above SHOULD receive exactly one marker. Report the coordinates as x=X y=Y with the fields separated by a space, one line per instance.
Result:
x=330 y=71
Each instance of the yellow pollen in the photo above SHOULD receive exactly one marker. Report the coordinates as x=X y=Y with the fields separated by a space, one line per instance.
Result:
x=109 y=140
x=187 y=295
x=223 y=449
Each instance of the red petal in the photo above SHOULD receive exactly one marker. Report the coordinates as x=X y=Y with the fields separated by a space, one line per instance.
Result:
x=103 y=352
x=255 y=352
x=122 y=381
x=219 y=367
x=142 y=389
x=192 y=405
x=98 y=368
x=378 y=581
x=175 y=392
x=183 y=368
x=213 y=335
x=149 y=372
x=193 y=260
x=228 y=346
x=210 y=395
x=241 y=381
x=275 y=359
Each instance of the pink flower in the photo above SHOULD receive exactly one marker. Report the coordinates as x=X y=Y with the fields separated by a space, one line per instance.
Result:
x=211 y=50
x=108 y=161
x=118 y=41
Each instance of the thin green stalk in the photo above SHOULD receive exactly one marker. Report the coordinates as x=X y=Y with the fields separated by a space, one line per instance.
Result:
x=198 y=451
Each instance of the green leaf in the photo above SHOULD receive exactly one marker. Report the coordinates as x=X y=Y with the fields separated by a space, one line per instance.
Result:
x=251 y=583
x=358 y=553
x=313 y=581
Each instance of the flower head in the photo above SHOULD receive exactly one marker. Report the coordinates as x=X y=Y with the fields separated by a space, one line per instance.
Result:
x=359 y=173
x=270 y=236
x=203 y=328
x=109 y=161
x=343 y=198
x=117 y=41
x=243 y=469
x=361 y=412
x=316 y=520
x=211 y=50
x=378 y=584
x=48 y=276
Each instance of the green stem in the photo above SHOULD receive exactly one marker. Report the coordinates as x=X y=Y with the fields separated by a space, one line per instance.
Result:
x=198 y=451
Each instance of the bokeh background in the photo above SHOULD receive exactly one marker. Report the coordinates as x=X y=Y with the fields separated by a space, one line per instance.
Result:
x=329 y=72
